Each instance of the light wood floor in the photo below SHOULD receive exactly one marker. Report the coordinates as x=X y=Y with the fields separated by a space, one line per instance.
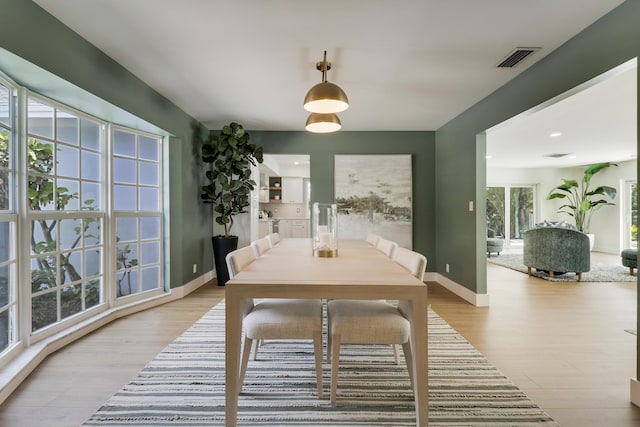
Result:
x=562 y=344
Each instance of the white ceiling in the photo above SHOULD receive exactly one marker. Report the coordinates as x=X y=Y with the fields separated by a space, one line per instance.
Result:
x=597 y=123
x=410 y=65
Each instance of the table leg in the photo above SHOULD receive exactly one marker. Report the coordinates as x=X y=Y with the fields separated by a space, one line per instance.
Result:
x=419 y=349
x=233 y=324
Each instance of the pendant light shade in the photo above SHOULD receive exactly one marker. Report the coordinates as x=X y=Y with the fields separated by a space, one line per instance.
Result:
x=325 y=97
x=323 y=123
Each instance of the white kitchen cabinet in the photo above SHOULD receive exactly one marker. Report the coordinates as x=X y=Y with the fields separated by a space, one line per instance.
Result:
x=284 y=228
x=291 y=189
x=300 y=228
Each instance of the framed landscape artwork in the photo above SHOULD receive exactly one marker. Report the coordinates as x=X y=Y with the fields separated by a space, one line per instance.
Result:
x=373 y=195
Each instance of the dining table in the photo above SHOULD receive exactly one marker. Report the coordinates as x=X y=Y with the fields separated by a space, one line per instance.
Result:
x=359 y=271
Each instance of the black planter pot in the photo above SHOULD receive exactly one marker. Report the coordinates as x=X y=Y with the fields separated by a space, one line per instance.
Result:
x=221 y=247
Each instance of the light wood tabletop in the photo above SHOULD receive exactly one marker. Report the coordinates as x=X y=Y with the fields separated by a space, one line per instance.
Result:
x=360 y=271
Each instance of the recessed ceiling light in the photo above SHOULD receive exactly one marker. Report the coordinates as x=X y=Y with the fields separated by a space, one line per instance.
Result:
x=488 y=156
x=555 y=134
x=572 y=157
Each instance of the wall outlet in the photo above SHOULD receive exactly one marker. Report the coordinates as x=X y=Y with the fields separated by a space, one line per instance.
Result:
x=470 y=205
x=195 y=268
x=446 y=268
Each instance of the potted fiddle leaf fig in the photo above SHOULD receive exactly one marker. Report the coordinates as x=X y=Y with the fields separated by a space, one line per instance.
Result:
x=229 y=187
x=582 y=199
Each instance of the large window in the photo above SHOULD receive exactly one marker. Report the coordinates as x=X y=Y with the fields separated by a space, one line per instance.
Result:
x=65 y=212
x=137 y=203
x=630 y=201
x=510 y=212
x=8 y=221
x=80 y=217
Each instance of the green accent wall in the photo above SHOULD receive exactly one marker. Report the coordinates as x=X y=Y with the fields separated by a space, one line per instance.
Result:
x=323 y=147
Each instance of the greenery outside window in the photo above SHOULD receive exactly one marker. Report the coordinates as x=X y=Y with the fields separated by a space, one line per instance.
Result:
x=65 y=212
x=630 y=201
x=510 y=211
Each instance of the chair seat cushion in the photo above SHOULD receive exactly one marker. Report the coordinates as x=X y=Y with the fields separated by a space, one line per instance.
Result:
x=629 y=254
x=367 y=322
x=284 y=319
x=629 y=258
x=494 y=242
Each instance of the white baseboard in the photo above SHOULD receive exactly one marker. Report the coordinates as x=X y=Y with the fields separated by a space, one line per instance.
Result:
x=191 y=286
x=479 y=300
x=635 y=391
x=17 y=370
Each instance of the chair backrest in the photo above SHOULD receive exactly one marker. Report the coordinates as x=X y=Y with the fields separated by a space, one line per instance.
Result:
x=236 y=261
x=239 y=259
x=414 y=262
x=386 y=246
x=274 y=239
x=261 y=246
x=373 y=238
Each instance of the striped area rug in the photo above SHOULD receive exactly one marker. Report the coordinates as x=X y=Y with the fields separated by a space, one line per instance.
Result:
x=184 y=386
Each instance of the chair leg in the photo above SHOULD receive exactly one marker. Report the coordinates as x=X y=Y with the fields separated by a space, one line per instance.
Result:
x=257 y=344
x=245 y=359
x=396 y=353
x=580 y=276
x=406 y=348
x=529 y=270
x=329 y=342
x=317 y=350
x=335 y=350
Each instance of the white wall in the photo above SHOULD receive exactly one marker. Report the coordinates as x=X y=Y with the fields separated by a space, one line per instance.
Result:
x=605 y=223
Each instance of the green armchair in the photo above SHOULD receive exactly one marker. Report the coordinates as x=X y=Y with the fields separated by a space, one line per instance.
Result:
x=557 y=250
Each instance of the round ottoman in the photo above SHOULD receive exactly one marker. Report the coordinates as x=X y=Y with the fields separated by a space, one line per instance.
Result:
x=630 y=259
x=494 y=244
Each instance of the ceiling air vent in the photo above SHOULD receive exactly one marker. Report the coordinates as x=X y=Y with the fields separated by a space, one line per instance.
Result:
x=516 y=56
x=556 y=155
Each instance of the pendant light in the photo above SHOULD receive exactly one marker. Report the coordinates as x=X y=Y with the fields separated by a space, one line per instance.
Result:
x=325 y=97
x=323 y=123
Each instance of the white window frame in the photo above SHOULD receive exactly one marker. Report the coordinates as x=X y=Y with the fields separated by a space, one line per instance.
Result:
x=28 y=216
x=160 y=290
x=11 y=216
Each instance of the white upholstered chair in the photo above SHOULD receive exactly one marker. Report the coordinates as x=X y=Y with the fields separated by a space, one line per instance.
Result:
x=373 y=238
x=372 y=321
x=386 y=246
x=274 y=238
x=261 y=246
x=277 y=318
x=414 y=262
